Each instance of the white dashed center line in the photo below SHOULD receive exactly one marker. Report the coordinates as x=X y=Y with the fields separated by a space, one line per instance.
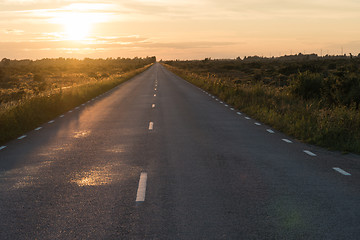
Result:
x=270 y=131
x=151 y=126
x=70 y=111
x=2 y=147
x=217 y=99
x=221 y=102
x=247 y=118
x=310 y=153
x=257 y=123
x=62 y=116
x=153 y=106
x=141 y=191
x=226 y=105
x=23 y=136
x=154 y=95
x=37 y=129
x=51 y=121
x=286 y=140
x=232 y=109
x=238 y=113
x=341 y=171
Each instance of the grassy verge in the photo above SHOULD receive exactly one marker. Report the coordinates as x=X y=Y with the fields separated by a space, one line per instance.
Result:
x=28 y=113
x=333 y=127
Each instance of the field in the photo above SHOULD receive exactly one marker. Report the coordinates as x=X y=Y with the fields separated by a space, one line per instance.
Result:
x=314 y=99
x=33 y=92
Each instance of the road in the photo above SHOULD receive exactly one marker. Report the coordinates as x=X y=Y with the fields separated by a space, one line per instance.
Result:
x=158 y=158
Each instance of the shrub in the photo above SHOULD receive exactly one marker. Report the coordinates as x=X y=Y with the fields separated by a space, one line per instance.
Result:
x=307 y=85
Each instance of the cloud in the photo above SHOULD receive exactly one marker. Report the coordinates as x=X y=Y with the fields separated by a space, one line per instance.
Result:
x=14 y=31
x=186 y=45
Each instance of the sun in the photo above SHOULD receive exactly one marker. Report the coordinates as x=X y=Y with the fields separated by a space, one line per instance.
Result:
x=77 y=26
x=78 y=19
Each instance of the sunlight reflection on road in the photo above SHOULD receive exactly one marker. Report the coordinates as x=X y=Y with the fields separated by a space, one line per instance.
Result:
x=94 y=177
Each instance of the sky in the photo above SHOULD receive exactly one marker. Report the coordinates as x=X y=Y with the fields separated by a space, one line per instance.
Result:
x=177 y=29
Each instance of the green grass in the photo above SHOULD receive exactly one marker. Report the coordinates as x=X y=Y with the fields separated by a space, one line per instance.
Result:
x=336 y=127
x=28 y=113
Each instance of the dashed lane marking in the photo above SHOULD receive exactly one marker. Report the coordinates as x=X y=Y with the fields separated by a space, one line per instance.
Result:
x=37 y=129
x=257 y=123
x=310 y=153
x=151 y=126
x=23 y=136
x=2 y=147
x=154 y=95
x=52 y=121
x=286 y=140
x=153 y=106
x=141 y=191
x=232 y=109
x=221 y=102
x=226 y=105
x=247 y=118
x=238 y=113
x=70 y=111
x=270 y=131
x=62 y=116
x=341 y=171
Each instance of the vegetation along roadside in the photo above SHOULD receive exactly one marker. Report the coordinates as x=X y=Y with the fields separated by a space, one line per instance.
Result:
x=34 y=92
x=315 y=99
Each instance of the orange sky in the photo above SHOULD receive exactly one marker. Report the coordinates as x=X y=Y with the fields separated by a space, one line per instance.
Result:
x=177 y=29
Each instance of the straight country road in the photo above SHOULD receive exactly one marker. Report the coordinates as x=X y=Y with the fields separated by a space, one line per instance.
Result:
x=158 y=158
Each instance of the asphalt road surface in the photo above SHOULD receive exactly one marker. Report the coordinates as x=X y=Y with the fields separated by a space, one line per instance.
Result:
x=158 y=158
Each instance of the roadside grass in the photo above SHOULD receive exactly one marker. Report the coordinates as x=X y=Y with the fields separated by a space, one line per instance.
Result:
x=335 y=127
x=28 y=113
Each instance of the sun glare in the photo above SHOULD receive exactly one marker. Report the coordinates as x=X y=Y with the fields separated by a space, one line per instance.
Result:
x=78 y=19
x=77 y=26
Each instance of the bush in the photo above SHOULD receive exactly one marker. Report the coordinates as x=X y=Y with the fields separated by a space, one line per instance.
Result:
x=307 y=85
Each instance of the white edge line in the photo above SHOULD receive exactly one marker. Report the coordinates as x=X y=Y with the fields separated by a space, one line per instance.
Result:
x=23 y=136
x=341 y=171
x=2 y=147
x=141 y=191
x=310 y=153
